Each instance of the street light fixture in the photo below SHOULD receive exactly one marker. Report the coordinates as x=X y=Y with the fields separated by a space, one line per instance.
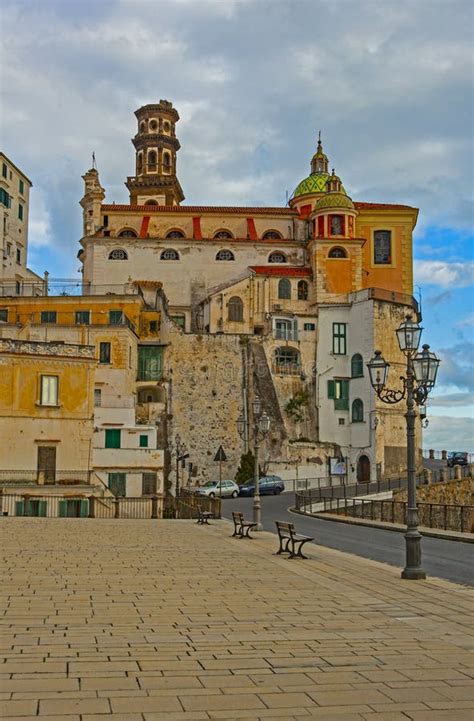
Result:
x=261 y=426
x=421 y=371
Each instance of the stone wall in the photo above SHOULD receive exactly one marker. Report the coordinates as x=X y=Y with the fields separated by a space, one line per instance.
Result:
x=453 y=492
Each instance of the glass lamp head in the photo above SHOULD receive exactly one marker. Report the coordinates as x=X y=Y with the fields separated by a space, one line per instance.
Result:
x=378 y=370
x=425 y=365
x=241 y=425
x=257 y=406
x=264 y=423
x=409 y=334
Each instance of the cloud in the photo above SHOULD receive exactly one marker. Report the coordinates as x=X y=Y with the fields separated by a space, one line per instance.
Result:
x=452 y=399
x=457 y=366
x=445 y=275
x=449 y=433
x=468 y=321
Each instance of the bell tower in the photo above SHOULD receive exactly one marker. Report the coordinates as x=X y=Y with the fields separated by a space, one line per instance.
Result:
x=155 y=181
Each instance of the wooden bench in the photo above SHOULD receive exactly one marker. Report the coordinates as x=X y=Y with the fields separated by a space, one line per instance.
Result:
x=290 y=541
x=204 y=516
x=242 y=528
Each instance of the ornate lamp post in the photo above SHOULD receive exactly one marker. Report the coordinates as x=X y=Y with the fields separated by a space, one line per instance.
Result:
x=420 y=378
x=261 y=426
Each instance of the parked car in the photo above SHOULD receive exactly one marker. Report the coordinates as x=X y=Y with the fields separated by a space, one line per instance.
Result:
x=457 y=458
x=268 y=485
x=212 y=489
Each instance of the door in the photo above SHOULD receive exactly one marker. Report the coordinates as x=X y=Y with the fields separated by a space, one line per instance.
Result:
x=73 y=508
x=363 y=470
x=47 y=463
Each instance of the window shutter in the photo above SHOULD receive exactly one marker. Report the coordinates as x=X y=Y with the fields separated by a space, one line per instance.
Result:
x=331 y=389
x=42 y=508
x=84 y=509
x=62 y=509
x=345 y=389
x=295 y=328
x=19 y=508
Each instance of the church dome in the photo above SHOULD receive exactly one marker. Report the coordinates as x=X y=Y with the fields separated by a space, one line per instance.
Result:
x=314 y=183
x=334 y=200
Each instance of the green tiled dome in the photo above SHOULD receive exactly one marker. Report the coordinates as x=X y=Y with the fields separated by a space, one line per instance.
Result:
x=314 y=183
x=334 y=200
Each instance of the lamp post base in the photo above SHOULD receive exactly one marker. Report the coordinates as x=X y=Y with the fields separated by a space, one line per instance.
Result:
x=413 y=574
x=413 y=569
x=257 y=518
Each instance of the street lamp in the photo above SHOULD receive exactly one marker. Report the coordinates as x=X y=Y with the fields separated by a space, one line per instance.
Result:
x=261 y=426
x=421 y=370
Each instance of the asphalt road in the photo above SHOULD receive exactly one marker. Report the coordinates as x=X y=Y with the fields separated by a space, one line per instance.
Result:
x=446 y=559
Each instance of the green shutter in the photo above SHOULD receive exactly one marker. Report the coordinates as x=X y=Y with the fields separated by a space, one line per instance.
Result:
x=331 y=389
x=19 y=508
x=345 y=389
x=143 y=441
x=84 y=509
x=62 y=509
x=42 y=508
x=112 y=438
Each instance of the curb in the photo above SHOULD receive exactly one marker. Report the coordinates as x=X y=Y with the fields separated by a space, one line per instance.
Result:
x=397 y=527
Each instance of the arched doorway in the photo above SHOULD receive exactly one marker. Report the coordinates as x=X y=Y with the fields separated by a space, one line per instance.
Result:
x=363 y=469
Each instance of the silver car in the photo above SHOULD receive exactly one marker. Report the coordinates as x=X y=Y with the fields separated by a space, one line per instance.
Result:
x=212 y=489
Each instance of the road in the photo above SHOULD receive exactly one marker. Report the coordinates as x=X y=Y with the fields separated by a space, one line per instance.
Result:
x=451 y=560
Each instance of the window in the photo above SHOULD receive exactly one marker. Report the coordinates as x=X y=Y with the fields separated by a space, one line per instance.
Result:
x=357 y=411
x=337 y=225
x=309 y=326
x=115 y=317
x=97 y=397
x=153 y=326
x=342 y=421
x=357 y=366
x=21 y=186
x=148 y=484
x=284 y=289
x=118 y=254
x=48 y=316
x=150 y=362
x=337 y=253
x=277 y=257
x=5 y=198
x=17 y=287
x=223 y=234
x=153 y=125
x=49 y=391
x=166 y=162
x=152 y=160
x=151 y=202
x=271 y=235
x=9 y=245
x=142 y=127
x=286 y=329
x=338 y=390
x=118 y=484
x=302 y=290
x=127 y=233
x=175 y=234
x=235 y=309
x=225 y=255
x=287 y=360
x=106 y=221
x=113 y=437
x=18 y=255
x=83 y=317
x=179 y=320
x=104 y=353
x=169 y=254
x=143 y=442
x=3 y=315
x=139 y=164
x=339 y=338
x=20 y=211
x=4 y=170
x=382 y=247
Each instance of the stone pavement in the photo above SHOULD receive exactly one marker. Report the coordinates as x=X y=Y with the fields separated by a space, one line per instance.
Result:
x=166 y=621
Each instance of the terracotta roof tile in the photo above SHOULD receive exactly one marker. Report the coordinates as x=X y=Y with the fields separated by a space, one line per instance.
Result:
x=383 y=206
x=198 y=209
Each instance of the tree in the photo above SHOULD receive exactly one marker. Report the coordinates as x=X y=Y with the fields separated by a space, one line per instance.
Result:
x=246 y=469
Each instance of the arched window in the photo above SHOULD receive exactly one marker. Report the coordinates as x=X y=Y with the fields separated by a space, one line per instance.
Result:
x=337 y=253
x=271 y=235
x=152 y=160
x=284 y=289
x=139 y=163
x=169 y=254
x=166 y=162
x=277 y=257
x=235 y=309
x=153 y=126
x=166 y=127
x=287 y=361
x=357 y=411
x=337 y=224
x=118 y=254
x=143 y=127
x=225 y=255
x=224 y=234
x=302 y=290
x=357 y=366
x=175 y=234
x=151 y=202
x=127 y=233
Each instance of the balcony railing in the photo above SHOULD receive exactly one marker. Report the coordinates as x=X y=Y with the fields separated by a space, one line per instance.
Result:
x=286 y=369
x=48 y=477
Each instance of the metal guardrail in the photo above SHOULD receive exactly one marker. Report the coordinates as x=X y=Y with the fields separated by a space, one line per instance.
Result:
x=450 y=517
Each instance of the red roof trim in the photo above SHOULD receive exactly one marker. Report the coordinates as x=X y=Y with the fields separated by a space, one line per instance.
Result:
x=382 y=206
x=198 y=209
x=295 y=272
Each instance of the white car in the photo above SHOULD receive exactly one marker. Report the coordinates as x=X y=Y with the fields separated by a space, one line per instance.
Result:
x=230 y=489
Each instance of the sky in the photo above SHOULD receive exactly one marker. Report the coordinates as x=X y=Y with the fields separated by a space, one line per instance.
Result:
x=388 y=82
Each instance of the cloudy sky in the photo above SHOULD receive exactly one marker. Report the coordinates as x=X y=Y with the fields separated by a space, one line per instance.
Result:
x=389 y=83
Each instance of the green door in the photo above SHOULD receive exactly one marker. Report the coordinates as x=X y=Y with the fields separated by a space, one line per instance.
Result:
x=118 y=483
x=37 y=508
x=73 y=508
x=19 y=508
x=112 y=438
